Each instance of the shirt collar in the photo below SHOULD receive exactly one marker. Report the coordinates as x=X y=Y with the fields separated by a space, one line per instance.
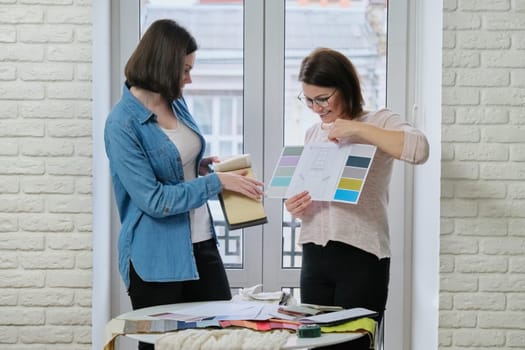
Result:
x=139 y=111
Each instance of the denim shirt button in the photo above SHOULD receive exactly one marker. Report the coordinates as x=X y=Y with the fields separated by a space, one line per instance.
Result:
x=181 y=178
x=166 y=210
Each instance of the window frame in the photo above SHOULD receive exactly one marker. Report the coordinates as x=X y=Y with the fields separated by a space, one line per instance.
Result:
x=423 y=57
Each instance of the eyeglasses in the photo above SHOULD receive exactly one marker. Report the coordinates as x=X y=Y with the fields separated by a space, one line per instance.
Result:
x=320 y=101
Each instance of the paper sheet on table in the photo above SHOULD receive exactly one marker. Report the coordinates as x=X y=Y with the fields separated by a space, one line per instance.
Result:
x=227 y=311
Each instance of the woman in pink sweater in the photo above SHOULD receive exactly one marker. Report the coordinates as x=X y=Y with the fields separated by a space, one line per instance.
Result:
x=346 y=247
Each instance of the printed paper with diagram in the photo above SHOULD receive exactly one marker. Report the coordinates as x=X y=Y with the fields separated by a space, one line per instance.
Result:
x=330 y=172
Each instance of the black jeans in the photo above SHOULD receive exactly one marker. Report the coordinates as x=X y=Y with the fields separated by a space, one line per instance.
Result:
x=212 y=284
x=343 y=275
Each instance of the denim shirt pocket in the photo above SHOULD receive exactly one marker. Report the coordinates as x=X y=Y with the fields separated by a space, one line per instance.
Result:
x=163 y=162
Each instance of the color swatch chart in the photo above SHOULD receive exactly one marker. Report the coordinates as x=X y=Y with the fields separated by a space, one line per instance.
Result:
x=330 y=172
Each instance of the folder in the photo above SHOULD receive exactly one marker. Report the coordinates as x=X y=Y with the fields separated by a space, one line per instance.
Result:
x=239 y=210
x=337 y=317
x=303 y=310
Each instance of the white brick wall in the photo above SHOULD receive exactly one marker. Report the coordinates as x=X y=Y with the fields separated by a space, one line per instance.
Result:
x=482 y=298
x=45 y=174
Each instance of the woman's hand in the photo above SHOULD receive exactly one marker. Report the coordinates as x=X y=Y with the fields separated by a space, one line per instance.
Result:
x=237 y=181
x=205 y=163
x=298 y=204
x=343 y=129
x=389 y=141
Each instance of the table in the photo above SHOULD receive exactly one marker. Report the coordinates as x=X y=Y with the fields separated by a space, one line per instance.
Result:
x=293 y=342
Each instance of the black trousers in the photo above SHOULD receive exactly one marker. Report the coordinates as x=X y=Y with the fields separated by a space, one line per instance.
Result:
x=343 y=275
x=212 y=284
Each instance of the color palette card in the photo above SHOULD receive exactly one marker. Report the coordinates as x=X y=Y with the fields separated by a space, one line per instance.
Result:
x=330 y=172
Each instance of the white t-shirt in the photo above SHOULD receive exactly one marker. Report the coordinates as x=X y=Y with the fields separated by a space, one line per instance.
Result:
x=189 y=146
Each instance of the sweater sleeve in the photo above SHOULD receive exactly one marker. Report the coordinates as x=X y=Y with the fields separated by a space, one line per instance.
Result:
x=416 y=148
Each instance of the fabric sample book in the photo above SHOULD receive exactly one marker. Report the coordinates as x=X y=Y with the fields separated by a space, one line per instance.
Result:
x=239 y=210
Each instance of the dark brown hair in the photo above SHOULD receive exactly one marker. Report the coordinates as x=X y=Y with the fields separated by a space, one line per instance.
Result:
x=329 y=68
x=157 y=64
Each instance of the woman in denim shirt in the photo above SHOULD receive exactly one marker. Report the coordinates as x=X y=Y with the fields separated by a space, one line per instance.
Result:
x=167 y=243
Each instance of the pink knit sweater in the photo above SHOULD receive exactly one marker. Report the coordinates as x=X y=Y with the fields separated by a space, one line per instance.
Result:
x=364 y=225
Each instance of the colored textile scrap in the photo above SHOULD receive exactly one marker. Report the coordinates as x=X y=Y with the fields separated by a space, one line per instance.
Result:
x=261 y=325
x=163 y=326
x=277 y=323
x=362 y=325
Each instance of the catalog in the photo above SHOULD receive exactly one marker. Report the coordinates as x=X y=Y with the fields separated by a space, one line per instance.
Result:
x=239 y=210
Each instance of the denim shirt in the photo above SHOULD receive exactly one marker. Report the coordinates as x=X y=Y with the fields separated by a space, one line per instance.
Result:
x=152 y=197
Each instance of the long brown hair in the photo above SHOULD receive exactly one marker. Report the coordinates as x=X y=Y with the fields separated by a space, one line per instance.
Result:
x=329 y=68
x=157 y=64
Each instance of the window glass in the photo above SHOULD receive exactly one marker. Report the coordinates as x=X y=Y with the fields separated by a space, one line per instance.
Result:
x=225 y=147
x=355 y=27
x=238 y=110
x=202 y=111
x=226 y=112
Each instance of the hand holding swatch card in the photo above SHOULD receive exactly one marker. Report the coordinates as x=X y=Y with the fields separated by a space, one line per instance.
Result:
x=328 y=171
x=239 y=210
